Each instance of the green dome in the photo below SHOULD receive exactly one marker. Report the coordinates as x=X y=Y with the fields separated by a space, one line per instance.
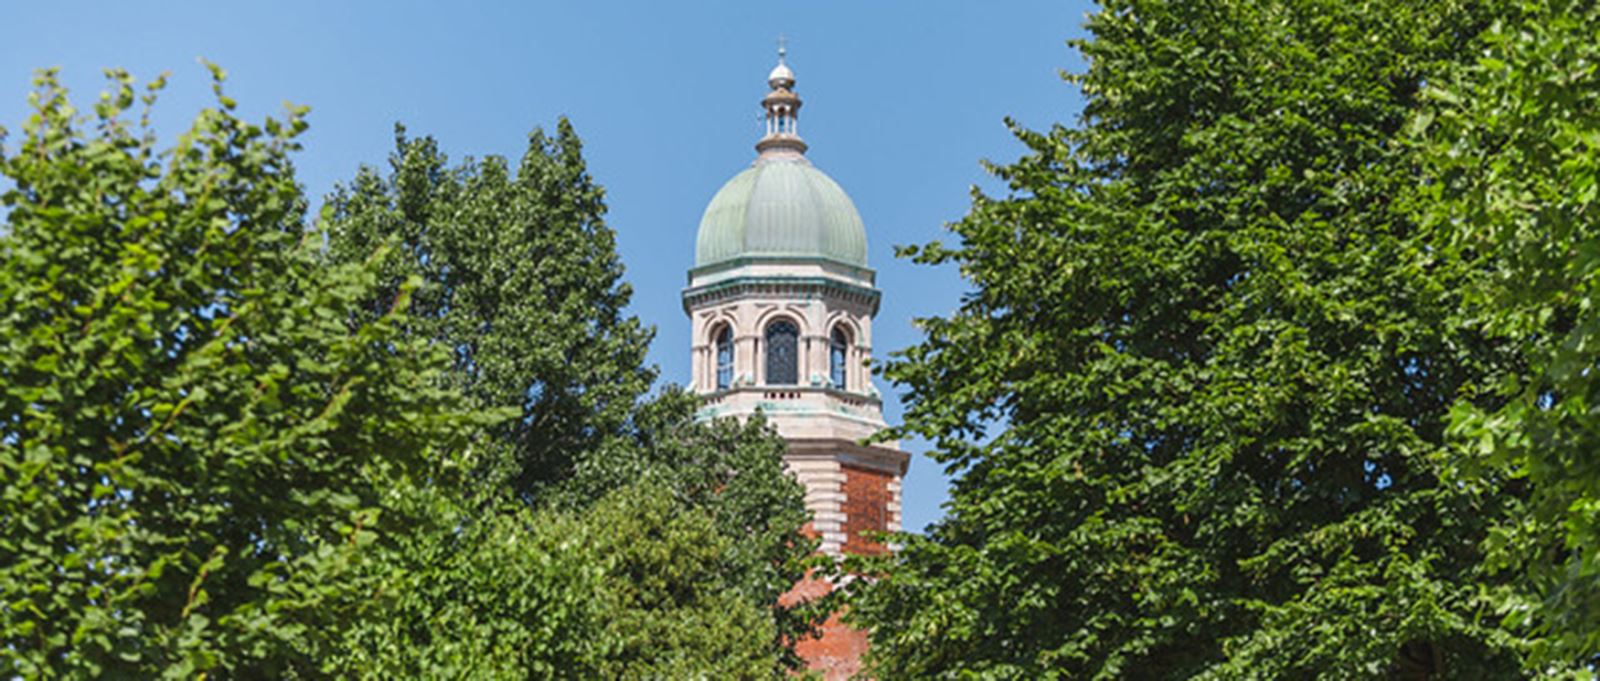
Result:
x=781 y=207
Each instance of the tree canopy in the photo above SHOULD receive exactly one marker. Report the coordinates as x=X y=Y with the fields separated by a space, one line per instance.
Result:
x=1197 y=400
x=522 y=283
x=198 y=451
x=408 y=440
x=520 y=280
x=1512 y=154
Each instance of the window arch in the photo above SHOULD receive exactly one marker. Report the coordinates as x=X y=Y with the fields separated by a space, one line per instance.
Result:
x=723 y=344
x=783 y=353
x=838 y=357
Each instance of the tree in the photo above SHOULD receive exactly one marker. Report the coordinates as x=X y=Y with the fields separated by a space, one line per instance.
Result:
x=1513 y=153
x=624 y=588
x=480 y=588
x=733 y=473
x=521 y=281
x=665 y=608
x=226 y=452
x=1196 y=402
x=671 y=569
x=198 y=451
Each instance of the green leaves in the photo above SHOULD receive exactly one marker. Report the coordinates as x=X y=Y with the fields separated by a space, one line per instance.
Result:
x=1511 y=162
x=520 y=277
x=520 y=280
x=167 y=508
x=1197 y=398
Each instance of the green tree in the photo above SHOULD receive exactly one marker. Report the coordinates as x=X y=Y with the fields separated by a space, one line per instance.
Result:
x=733 y=472
x=523 y=284
x=667 y=611
x=664 y=556
x=521 y=281
x=199 y=454
x=1196 y=402
x=670 y=569
x=225 y=452
x=625 y=587
x=1513 y=152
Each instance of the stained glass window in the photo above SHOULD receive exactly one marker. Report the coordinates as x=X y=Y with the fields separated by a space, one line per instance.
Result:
x=783 y=356
x=838 y=347
x=724 y=358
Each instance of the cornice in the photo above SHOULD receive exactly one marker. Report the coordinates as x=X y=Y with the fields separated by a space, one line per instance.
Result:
x=777 y=286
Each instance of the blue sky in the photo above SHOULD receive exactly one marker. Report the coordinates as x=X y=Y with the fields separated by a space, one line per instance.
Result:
x=903 y=99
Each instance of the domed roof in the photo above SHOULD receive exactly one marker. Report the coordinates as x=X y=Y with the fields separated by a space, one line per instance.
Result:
x=781 y=206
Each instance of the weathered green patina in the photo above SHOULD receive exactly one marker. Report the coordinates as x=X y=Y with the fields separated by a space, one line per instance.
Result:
x=781 y=206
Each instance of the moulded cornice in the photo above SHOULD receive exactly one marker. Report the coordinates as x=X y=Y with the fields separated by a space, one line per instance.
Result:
x=779 y=287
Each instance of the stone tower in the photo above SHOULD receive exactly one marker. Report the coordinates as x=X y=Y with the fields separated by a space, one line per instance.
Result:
x=781 y=303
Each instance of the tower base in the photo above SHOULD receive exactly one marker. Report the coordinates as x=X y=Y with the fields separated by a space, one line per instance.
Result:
x=836 y=652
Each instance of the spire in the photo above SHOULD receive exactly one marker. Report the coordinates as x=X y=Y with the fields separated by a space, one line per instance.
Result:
x=783 y=110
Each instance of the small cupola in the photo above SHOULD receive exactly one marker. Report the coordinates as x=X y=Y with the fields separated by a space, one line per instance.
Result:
x=783 y=111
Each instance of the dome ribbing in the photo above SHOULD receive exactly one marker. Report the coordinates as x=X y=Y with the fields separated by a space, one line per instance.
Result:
x=781 y=206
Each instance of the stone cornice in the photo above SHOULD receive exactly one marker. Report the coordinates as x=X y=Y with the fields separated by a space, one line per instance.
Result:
x=877 y=457
x=779 y=288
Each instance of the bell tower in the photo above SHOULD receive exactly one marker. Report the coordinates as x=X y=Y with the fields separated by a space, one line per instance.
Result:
x=781 y=303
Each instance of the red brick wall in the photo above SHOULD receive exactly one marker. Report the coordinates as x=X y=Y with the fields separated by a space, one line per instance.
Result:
x=866 y=508
x=837 y=649
x=836 y=652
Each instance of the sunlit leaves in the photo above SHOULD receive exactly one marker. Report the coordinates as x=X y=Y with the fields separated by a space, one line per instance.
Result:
x=521 y=281
x=198 y=453
x=1197 y=398
x=1513 y=153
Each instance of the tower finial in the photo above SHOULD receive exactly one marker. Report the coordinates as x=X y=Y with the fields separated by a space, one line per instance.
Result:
x=783 y=110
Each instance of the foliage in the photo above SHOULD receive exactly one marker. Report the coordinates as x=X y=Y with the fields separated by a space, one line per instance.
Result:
x=733 y=472
x=666 y=608
x=668 y=571
x=479 y=591
x=1513 y=152
x=521 y=281
x=1196 y=402
x=197 y=449
x=625 y=588
x=225 y=450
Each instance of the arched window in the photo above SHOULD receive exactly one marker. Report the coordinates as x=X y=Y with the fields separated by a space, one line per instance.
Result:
x=783 y=356
x=838 y=352
x=724 y=343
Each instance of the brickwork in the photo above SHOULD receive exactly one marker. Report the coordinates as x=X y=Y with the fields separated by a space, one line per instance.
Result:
x=836 y=651
x=866 y=508
x=837 y=654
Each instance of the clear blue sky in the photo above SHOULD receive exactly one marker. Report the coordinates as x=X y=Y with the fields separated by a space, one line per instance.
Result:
x=903 y=99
